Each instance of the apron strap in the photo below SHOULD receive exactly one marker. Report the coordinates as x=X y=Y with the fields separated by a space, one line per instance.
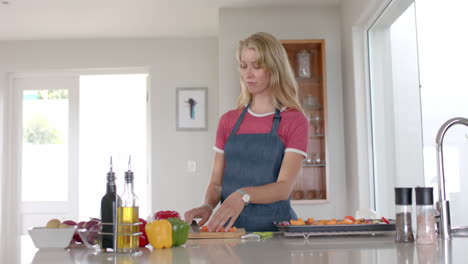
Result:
x=276 y=120
x=274 y=128
x=239 y=120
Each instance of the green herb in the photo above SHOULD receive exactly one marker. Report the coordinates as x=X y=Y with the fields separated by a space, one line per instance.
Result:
x=264 y=235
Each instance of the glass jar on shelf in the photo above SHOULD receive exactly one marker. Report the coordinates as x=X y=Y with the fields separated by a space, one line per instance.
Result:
x=312 y=194
x=309 y=160
x=303 y=64
x=316 y=120
x=317 y=158
x=310 y=101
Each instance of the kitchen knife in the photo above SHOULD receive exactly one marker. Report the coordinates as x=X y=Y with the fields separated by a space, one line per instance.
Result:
x=194 y=227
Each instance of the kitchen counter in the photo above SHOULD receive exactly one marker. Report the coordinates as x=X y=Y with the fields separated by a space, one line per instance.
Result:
x=279 y=249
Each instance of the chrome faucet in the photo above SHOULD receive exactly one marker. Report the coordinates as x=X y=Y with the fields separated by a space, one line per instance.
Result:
x=443 y=203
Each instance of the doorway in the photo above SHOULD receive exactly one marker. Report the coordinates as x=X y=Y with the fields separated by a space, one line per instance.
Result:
x=71 y=125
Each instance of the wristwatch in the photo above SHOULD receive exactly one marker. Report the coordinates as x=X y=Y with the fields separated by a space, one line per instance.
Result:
x=245 y=196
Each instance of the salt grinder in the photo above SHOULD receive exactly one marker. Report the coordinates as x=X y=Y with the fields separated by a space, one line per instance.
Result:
x=425 y=233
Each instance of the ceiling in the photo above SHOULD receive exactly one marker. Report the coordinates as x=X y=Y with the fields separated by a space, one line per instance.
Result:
x=67 y=19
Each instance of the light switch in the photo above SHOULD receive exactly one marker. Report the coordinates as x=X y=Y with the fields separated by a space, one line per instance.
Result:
x=191 y=166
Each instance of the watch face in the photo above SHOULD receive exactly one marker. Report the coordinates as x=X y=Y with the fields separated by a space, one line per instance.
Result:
x=246 y=198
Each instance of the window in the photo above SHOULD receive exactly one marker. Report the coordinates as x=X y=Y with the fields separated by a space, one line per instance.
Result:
x=395 y=108
x=112 y=123
x=45 y=130
x=417 y=58
x=443 y=56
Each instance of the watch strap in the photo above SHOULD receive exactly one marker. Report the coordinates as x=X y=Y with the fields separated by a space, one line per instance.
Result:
x=241 y=191
x=209 y=206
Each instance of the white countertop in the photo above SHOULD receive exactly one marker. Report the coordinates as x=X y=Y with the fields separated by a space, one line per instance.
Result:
x=279 y=249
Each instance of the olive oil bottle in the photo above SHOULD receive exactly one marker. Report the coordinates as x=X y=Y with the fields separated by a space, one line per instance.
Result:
x=127 y=217
x=109 y=213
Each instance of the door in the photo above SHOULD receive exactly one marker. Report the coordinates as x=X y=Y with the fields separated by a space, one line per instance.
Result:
x=47 y=165
x=69 y=125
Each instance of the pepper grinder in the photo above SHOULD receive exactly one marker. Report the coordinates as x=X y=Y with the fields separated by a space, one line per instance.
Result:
x=403 y=209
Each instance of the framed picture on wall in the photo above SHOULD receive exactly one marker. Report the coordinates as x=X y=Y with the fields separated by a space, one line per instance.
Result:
x=191 y=108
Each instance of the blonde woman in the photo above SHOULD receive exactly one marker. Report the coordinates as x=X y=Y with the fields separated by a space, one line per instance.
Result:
x=259 y=146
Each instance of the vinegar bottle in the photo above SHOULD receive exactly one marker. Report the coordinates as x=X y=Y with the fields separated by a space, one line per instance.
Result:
x=109 y=213
x=127 y=217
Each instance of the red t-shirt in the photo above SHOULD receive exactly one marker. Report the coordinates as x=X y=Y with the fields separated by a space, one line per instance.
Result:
x=293 y=128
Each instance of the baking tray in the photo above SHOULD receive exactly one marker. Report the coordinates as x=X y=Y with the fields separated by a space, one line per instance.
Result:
x=327 y=230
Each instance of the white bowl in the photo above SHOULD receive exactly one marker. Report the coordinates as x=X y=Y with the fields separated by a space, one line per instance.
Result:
x=45 y=238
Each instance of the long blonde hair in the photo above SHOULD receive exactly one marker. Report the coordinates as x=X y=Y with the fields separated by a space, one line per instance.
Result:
x=272 y=57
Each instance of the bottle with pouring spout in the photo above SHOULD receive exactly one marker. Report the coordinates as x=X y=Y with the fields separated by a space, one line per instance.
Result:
x=109 y=213
x=127 y=217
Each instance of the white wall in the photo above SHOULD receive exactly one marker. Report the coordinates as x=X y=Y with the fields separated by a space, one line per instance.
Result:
x=3 y=198
x=172 y=63
x=292 y=23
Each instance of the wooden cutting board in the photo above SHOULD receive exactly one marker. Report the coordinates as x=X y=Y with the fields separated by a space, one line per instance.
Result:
x=239 y=232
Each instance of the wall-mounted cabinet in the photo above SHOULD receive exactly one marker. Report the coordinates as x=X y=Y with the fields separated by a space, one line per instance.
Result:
x=307 y=58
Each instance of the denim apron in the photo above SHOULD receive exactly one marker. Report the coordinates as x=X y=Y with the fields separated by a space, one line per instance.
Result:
x=254 y=160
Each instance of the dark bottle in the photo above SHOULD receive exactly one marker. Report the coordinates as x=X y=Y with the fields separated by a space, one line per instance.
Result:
x=109 y=212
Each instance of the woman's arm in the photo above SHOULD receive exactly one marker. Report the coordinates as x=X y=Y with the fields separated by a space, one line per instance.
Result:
x=281 y=189
x=269 y=193
x=213 y=190
x=212 y=193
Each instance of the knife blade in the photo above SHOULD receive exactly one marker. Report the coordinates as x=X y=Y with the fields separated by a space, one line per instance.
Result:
x=194 y=227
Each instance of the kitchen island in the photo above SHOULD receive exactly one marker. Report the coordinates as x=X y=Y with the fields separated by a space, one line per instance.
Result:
x=279 y=249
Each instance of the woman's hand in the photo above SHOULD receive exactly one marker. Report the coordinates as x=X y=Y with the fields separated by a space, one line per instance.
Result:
x=204 y=212
x=229 y=210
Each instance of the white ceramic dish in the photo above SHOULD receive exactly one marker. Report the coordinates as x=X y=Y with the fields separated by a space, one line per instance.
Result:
x=49 y=238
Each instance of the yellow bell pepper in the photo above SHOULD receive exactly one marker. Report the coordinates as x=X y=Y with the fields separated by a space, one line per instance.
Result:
x=159 y=233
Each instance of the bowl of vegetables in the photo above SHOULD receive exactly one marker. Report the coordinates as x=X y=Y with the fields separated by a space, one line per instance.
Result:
x=89 y=233
x=55 y=235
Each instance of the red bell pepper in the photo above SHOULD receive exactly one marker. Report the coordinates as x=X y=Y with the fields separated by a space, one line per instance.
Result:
x=165 y=214
x=143 y=239
x=385 y=220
